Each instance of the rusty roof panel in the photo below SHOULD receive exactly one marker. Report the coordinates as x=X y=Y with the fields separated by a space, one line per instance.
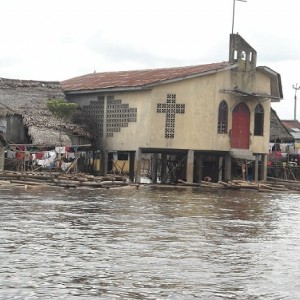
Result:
x=291 y=124
x=136 y=78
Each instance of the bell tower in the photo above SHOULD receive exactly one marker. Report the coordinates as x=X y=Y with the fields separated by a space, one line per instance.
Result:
x=241 y=53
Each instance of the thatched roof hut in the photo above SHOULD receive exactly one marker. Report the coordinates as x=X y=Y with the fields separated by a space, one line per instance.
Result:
x=28 y=99
x=278 y=132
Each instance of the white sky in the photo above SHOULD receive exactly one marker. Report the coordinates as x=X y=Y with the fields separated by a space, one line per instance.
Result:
x=61 y=39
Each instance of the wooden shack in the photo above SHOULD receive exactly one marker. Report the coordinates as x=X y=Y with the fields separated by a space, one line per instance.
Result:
x=26 y=120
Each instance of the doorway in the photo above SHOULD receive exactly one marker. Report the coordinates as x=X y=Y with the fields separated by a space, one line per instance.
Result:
x=240 y=131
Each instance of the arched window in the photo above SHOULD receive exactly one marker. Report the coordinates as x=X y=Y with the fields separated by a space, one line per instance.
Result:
x=243 y=55
x=235 y=54
x=250 y=56
x=259 y=120
x=223 y=117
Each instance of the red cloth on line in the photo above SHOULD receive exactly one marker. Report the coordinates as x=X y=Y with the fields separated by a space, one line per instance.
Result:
x=39 y=155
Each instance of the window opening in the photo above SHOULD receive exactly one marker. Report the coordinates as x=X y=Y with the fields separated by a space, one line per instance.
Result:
x=235 y=54
x=259 y=120
x=223 y=117
x=243 y=55
x=250 y=56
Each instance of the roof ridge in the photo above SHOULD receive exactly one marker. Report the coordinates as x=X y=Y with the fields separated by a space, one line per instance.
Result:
x=28 y=81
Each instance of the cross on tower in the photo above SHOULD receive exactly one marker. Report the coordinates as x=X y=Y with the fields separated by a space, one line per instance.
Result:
x=170 y=109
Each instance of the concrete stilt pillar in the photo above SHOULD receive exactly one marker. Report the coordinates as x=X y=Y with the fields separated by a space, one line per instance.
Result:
x=132 y=166
x=154 y=167
x=199 y=161
x=2 y=155
x=135 y=166
x=104 y=163
x=220 y=176
x=264 y=170
x=190 y=166
x=256 y=168
x=163 y=167
x=228 y=175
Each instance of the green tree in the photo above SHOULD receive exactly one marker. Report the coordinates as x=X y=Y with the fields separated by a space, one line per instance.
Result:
x=62 y=110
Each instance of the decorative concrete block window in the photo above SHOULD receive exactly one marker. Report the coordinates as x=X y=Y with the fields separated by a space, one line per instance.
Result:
x=118 y=115
x=95 y=111
x=170 y=109
x=223 y=117
x=259 y=120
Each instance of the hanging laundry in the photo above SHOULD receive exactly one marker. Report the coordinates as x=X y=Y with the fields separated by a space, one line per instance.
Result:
x=60 y=150
x=71 y=155
x=19 y=155
x=11 y=154
x=39 y=155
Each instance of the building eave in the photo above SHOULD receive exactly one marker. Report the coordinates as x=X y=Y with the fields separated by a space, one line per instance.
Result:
x=241 y=93
x=107 y=90
x=276 y=85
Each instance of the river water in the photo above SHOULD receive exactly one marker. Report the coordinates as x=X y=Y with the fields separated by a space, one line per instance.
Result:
x=149 y=243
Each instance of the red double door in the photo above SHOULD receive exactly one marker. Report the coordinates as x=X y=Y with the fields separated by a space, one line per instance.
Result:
x=240 y=130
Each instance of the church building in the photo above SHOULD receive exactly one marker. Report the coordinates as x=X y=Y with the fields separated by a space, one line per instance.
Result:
x=195 y=122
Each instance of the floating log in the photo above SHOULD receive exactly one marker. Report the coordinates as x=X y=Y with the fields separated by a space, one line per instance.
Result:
x=224 y=184
x=4 y=182
x=112 y=183
x=76 y=183
x=201 y=184
x=211 y=184
x=27 y=182
x=180 y=181
x=272 y=187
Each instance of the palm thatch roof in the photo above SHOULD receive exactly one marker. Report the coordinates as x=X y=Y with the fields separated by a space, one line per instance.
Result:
x=29 y=99
x=278 y=132
x=2 y=140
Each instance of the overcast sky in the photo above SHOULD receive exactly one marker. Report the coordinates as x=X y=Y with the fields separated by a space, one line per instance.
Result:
x=61 y=39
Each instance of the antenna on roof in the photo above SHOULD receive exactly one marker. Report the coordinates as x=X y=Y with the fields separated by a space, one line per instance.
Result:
x=233 y=13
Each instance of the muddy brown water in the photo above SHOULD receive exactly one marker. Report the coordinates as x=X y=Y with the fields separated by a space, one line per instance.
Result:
x=149 y=243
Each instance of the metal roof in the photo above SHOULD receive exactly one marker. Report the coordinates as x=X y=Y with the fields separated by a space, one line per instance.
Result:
x=138 y=79
x=291 y=124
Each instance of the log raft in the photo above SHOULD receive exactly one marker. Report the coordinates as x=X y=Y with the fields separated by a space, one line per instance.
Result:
x=61 y=180
x=240 y=184
x=80 y=180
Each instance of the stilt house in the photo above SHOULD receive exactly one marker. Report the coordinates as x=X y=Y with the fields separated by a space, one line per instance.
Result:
x=26 y=120
x=279 y=132
x=195 y=121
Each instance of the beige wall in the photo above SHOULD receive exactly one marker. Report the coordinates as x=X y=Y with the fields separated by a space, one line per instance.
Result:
x=195 y=129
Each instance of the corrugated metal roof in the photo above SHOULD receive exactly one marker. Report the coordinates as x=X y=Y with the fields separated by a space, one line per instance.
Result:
x=137 y=78
x=291 y=124
x=296 y=135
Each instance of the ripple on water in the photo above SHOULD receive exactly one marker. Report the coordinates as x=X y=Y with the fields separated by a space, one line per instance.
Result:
x=150 y=243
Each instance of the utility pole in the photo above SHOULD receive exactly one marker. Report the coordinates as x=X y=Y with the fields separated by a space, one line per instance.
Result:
x=296 y=88
x=233 y=13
